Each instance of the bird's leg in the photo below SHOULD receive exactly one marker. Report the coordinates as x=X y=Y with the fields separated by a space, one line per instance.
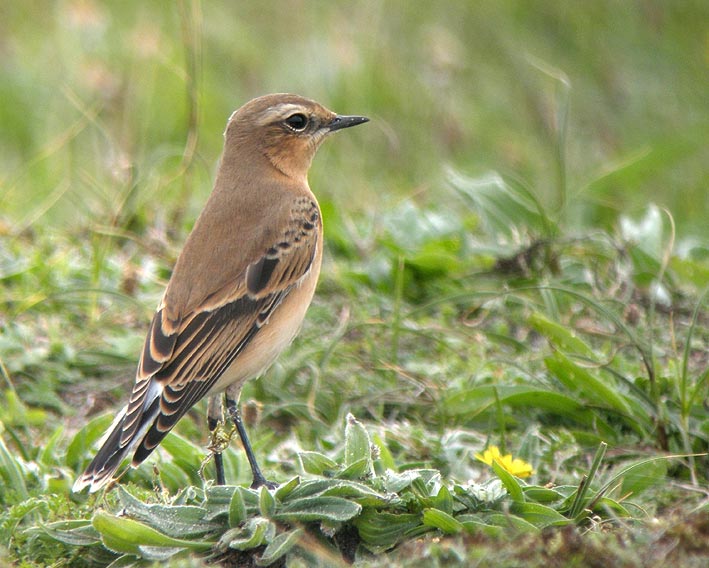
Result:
x=232 y=406
x=214 y=416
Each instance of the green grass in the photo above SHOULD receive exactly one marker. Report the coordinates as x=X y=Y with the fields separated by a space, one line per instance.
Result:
x=516 y=256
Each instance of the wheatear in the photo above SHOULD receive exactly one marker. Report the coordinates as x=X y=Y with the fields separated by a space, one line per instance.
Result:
x=240 y=287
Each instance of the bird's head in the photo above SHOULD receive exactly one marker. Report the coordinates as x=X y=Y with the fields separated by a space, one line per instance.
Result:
x=286 y=129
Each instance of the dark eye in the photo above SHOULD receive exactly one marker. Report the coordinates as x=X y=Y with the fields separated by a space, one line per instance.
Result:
x=297 y=121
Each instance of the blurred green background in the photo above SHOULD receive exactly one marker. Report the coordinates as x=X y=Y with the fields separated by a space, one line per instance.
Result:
x=104 y=106
x=495 y=236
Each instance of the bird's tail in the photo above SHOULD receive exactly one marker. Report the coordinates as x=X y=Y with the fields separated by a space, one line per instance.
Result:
x=112 y=452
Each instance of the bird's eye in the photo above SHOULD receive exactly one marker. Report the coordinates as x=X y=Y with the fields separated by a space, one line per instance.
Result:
x=297 y=121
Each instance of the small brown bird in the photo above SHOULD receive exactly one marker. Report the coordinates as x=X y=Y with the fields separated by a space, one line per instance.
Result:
x=240 y=287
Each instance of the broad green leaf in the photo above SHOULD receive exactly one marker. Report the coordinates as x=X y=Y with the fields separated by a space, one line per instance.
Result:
x=541 y=494
x=473 y=525
x=579 y=379
x=397 y=482
x=443 y=501
x=359 y=469
x=266 y=502
x=352 y=490
x=284 y=491
x=178 y=521
x=511 y=521
x=605 y=504
x=442 y=521
x=312 y=487
x=359 y=493
x=218 y=500
x=508 y=480
x=358 y=446
x=385 y=457
x=561 y=336
x=539 y=515
x=317 y=463
x=320 y=508
x=121 y=534
x=237 y=509
x=281 y=545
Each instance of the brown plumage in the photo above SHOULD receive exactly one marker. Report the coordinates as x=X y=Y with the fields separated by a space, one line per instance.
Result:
x=242 y=284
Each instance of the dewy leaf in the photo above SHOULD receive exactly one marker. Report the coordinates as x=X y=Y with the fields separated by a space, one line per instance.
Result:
x=539 y=515
x=358 y=446
x=311 y=488
x=266 y=502
x=385 y=457
x=279 y=546
x=320 y=508
x=397 y=482
x=443 y=501
x=237 y=509
x=317 y=463
x=218 y=500
x=442 y=521
x=357 y=470
x=284 y=491
x=358 y=492
x=121 y=534
x=179 y=521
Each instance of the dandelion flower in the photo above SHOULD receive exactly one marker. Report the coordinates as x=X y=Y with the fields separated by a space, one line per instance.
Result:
x=515 y=466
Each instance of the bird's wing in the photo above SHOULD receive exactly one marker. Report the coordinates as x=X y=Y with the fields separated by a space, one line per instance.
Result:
x=183 y=358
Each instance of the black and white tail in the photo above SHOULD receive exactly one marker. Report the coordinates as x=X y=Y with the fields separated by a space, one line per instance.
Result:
x=114 y=450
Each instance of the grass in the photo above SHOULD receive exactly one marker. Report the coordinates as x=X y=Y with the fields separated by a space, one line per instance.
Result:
x=516 y=257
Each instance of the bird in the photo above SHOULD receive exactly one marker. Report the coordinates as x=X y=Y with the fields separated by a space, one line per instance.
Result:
x=239 y=289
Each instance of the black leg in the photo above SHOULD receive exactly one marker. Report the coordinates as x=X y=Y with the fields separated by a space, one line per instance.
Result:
x=232 y=407
x=218 y=460
x=214 y=415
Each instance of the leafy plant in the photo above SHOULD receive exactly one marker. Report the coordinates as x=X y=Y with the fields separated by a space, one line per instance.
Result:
x=306 y=517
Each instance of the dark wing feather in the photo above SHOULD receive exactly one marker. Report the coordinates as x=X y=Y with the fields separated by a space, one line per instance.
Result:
x=190 y=376
x=183 y=357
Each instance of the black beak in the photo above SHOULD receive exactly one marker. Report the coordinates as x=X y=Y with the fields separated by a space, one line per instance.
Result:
x=340 y=122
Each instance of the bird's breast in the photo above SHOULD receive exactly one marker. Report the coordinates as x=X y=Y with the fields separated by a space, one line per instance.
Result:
x=275 y=335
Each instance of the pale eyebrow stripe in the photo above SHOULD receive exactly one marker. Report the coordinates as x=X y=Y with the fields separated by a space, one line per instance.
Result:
x=280 y=111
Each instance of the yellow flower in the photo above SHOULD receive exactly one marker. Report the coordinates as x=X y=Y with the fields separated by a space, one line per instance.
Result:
x=516 y=466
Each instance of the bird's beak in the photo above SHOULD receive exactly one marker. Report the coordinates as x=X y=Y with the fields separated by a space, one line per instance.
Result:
x=341 y=121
